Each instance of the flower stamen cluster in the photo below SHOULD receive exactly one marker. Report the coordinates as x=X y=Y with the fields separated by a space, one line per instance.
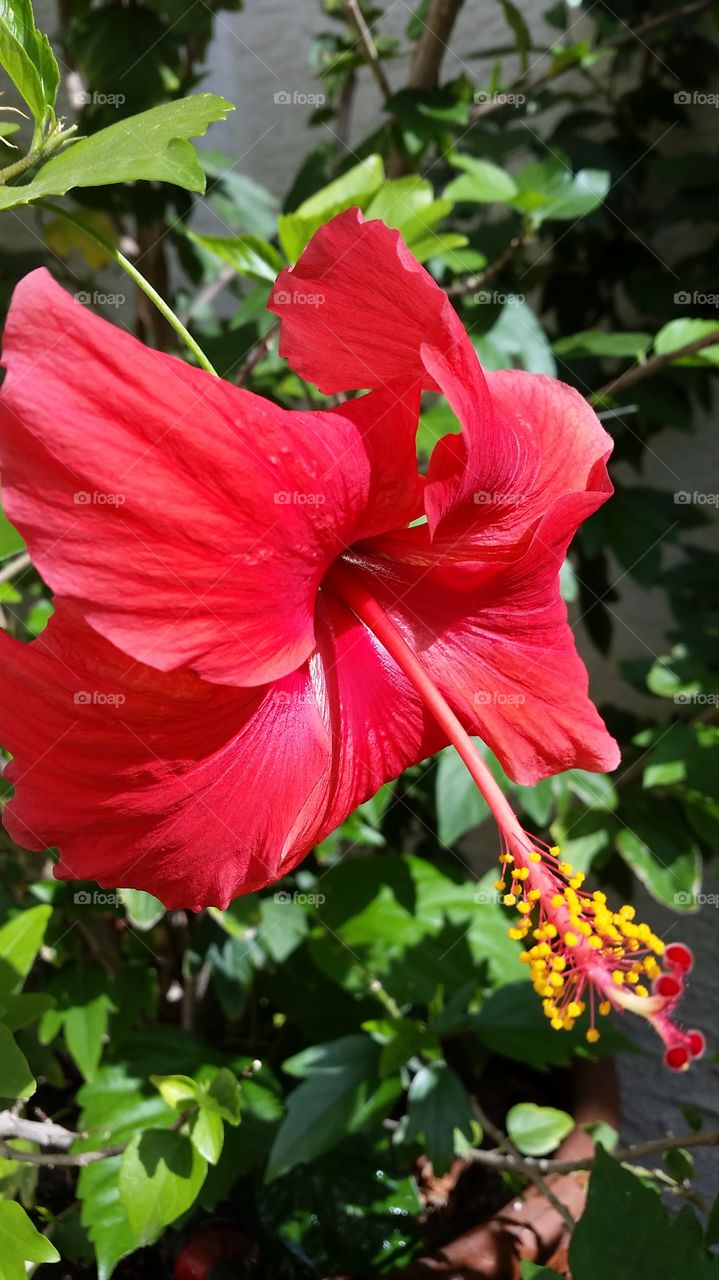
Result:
x=585 y=955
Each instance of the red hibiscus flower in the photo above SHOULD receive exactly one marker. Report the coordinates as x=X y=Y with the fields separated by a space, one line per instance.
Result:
x=263 y=615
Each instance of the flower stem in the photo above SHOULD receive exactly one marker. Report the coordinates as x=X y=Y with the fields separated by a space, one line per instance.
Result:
x=139 y=280
x=347 y=585
x=580 y=948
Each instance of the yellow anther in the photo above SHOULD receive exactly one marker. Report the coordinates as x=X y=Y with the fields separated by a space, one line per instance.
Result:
x=641 y=990
x=559 y=964
x=506 y=857
x=509 y=900
x=557 y=1024
x=516 y=935
x=533 y=895
x=556 y=980
x=499 y=884
x=524 y=908
x=535 y=857
x=565 y=868
x=522 y=873
x=555 y=850
x=550 y=929
x=605 y=1007
x=617 y=977
x=570 y=939
x=595 y=943
x=575 y=1009
x=592 y=1035
x=628 y=912
x=558 y=900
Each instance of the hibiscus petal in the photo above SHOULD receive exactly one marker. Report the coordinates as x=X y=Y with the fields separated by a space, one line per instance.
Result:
x=373 y=306
x=559 y=454
x=194 y=791
x=495 y=638
x=190 y=521
x=378 y=315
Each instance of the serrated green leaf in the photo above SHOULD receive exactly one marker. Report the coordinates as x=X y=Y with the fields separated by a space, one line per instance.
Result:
x=21 y=1242
x=481 y=182
x=161 y=1175
x=356 y=187
x=153 y=146
x=207 y=1133
x=341 y=1077
x=27 y=58
x=437 y=1105
x=16 y=1078
x=248 y=255
x=20 y=940
x=103 y=1214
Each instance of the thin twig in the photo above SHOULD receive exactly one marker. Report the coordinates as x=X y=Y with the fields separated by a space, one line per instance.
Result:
x=356 y=18
x=257 y=353
x=60 y=1160
x=471 y=284
x=513 y=1160
x=655 y=365
x=625 y=1155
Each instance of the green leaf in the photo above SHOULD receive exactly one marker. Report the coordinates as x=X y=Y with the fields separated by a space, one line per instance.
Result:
x=103 y=1214
x=481 y=183
x=549 y=190
x=20 y=940
x=85 y=1032
x=511 y=1022
x=534 y=1130
x=177 y=1091
x=408 y=204
x=16 y=1078
x=355 y=187
x=10 y=540
x=596 y=342
x=152 y=145
x=26 y=55
x=679 y=333
x=625 y=1232
x=21 y=1242
x=207 y=1134
x=438 y=1104
x=517 y=339
x=531 y=1271
x=248 y=255
x=142 y=909
x=522 y=34
x=161 y=1175
x=661 y=852
x=338 y=1080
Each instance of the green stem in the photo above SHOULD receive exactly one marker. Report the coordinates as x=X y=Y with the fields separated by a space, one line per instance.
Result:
x=139 y=280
